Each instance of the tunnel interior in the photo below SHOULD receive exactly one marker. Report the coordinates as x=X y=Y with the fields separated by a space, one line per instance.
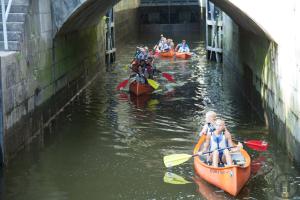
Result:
x=148 y=22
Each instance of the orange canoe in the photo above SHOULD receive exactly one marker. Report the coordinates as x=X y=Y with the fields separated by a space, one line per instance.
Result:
x=183 y=55
x=139 y=88
x=170 y=53
x=230 y=179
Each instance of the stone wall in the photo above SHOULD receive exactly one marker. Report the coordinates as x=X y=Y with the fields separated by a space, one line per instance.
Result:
x=54 y=64
x=126 y=20
x=40 y=79
x=261 y=59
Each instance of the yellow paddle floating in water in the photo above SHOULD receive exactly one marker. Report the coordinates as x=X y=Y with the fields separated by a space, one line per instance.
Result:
x=174 y=179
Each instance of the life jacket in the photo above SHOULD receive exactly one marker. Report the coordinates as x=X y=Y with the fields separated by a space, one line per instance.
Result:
x=165 y=47
x=210 y=129
x=218 y=142
x=183 y=47
x=142 y=55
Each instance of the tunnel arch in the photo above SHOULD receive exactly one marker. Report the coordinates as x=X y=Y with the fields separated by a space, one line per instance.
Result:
x=71 y=15
x=78 y=14
x=243 y=19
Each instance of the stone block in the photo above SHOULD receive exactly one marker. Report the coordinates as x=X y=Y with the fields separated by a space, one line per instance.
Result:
x=20 y=92
x=8 y=100
x=45 y=22
x=44 y=6
x=30 y=104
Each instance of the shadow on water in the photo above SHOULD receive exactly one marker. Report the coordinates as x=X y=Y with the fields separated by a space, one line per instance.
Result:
x=109 y=145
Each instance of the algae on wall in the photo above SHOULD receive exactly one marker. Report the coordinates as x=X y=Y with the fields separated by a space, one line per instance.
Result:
x=242 y=50
x=47 y=73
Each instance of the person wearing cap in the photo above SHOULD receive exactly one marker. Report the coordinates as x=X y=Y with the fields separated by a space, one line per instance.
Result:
x=160 y=43
x=182 y=47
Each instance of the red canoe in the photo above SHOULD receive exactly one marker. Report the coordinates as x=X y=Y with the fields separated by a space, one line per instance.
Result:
x=139 y=88
x=183 y=55
x=230 y=179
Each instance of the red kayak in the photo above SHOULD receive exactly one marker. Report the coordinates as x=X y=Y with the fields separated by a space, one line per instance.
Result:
x=139 y=88
x=183 y=55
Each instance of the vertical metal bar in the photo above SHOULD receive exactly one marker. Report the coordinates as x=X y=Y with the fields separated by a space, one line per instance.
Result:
x=4 y=25
x=169 y=2
x=212 y=14
x=206 y=28
x=8 y=9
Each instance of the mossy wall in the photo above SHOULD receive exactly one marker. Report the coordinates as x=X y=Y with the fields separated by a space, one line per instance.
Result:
x=43 y=77
x=126 y=20
x=255 y=56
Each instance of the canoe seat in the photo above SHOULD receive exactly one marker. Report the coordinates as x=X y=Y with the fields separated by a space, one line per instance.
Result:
x=238 y=158
x=203 y=158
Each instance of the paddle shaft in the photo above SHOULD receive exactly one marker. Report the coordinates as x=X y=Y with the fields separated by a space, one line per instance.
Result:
x=257 y=145
x=213 y=151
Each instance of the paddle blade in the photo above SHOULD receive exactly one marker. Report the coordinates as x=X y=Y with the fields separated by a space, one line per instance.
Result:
x=258 y=145
x=153 y=83
x=126 y=67
x=176 y=159
x=153 y=102
x=169 y=77
x=122 y=84
x=174 y=179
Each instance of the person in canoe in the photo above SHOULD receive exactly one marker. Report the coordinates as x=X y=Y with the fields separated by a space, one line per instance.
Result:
x=140 y=77
x=210 y=123
x=165 y=46
x=170 y=43
x=182 y=47
x=220 y=139
x=142 y=53
x=148 y=68
x=158 y=46
x=136 y=60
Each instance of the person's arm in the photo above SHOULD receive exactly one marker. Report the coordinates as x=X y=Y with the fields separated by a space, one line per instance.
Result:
x=205 y=146
x=230 y=142
x=176 y=48
x=187 y=49
x=204 y=130
x=228 y=138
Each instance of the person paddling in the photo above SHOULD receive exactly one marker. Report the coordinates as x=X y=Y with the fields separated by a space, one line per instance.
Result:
x=159 y=44
x=210 y=120
x=182 y=47
x=220 y=139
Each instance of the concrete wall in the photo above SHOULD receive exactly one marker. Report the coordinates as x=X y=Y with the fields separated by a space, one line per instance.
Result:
x=274 y=80
x=126 y=20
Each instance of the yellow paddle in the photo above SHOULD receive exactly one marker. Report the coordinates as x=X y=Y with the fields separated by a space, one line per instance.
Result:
x=174 y=179
x=126 y=67
x=177 y=159
x=153 y=83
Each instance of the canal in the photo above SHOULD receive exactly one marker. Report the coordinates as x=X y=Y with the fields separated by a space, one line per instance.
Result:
x=109 y=145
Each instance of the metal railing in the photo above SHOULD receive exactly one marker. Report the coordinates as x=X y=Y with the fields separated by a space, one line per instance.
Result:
x=169 y=2
x=5 y=12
